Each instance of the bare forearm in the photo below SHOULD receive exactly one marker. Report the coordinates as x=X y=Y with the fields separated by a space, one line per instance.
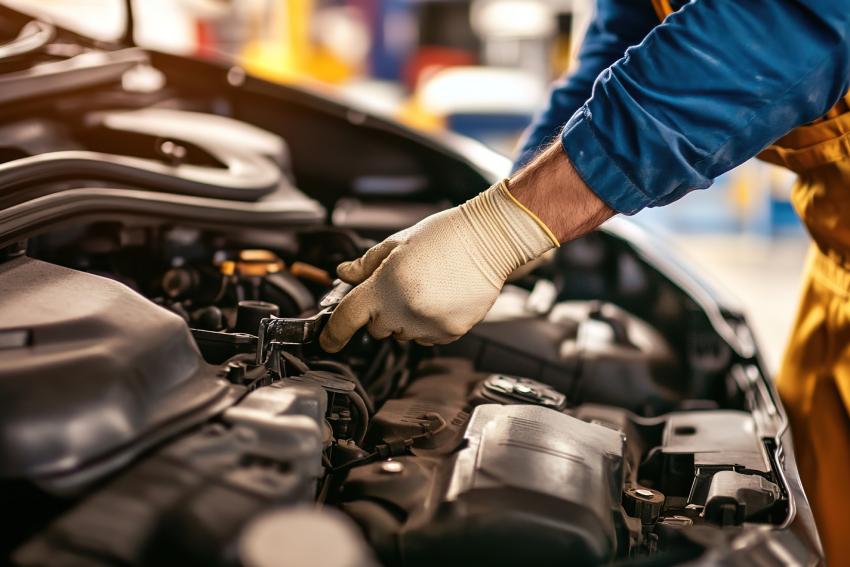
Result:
x=553 y=190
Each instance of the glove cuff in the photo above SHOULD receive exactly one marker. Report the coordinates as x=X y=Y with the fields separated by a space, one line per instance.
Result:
x=503 y=234
x=542 y=225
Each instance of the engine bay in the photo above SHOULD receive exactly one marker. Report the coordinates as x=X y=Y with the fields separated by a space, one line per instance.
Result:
x=558 y=427
x=167 y=259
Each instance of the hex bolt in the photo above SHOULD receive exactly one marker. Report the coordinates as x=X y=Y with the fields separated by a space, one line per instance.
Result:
x=392 y=467
x=643 y=503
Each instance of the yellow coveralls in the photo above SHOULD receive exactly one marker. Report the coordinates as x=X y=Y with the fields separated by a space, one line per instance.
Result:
x=814 y=381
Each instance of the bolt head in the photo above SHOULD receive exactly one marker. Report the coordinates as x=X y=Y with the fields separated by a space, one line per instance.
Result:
x=392 y=467
x=644 y=493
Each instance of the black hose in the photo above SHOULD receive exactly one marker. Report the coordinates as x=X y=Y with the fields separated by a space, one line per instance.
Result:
x=384 y=385
x=386 y=349
x=296 y=362
x=241 y=357
x=363 y=416
x=343 y=369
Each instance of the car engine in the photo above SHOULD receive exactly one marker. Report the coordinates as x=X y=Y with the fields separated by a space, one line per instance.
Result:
x=167 y=261
x=553 y=429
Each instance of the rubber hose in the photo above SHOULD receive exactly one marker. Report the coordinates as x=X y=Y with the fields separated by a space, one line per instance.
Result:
x=363 y=414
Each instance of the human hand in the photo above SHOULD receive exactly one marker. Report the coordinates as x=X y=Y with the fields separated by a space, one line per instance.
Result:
x=432 y=282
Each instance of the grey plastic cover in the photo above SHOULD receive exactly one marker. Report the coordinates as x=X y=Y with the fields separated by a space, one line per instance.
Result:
x=88 y=368
x=716 y=438
x=532 y=486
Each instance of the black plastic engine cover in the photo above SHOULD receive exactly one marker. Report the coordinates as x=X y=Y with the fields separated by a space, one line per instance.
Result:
x=593 y=352
x=90 y=372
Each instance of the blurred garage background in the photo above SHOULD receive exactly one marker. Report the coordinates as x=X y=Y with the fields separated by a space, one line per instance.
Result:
x=479 y=68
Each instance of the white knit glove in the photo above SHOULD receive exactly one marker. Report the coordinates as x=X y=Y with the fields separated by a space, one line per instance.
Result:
x=433 y=281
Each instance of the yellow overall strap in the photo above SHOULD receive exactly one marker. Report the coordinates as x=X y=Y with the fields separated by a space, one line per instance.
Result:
x=662 y=8
x=814 y=382
x=823 y=141
x=841 y=107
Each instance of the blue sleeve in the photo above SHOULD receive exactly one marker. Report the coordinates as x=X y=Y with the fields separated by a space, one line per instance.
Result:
x=616 y=26
x=714 y=85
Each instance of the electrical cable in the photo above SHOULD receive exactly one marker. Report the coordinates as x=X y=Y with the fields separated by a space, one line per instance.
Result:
x=429 y=416
x=389 y=450
x=326 y=488
x=359 y=462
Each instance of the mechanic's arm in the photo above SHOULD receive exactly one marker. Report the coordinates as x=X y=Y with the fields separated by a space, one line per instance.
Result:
x=709 y=89
x=714 y=85
x=616 y=25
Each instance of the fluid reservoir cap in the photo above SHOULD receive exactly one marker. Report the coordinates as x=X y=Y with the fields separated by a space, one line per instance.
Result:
x=178 y=281
x=513 y=389
x=643 y=503
x=249 y=314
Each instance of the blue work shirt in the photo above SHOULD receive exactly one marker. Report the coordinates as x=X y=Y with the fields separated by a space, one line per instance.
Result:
x=654 y=111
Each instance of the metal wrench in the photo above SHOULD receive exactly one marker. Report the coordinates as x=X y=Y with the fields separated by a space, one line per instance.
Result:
x=299 y=331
